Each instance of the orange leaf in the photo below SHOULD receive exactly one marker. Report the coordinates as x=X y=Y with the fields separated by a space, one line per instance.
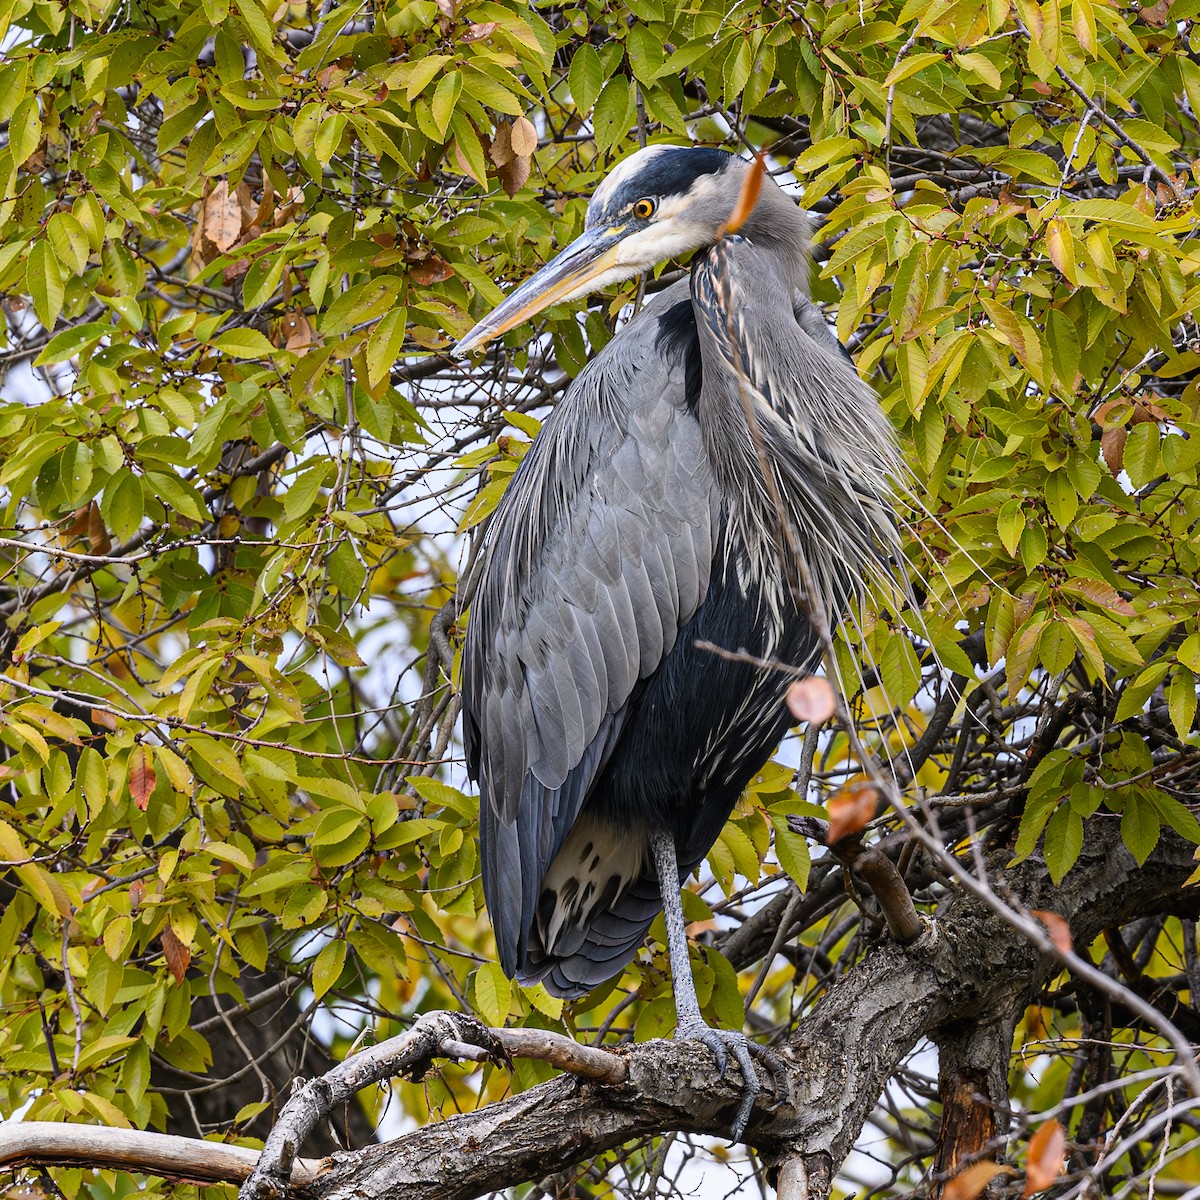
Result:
x=971 y=1181
x=103 y=719
x=1057 y=928
x=432 y=270
x=1046 y=1150
x=748 y=197
x=176 y=953
x=850 y=808
x=141 y=776
x=97 y=535
x=811 y=700
x=1112 y=448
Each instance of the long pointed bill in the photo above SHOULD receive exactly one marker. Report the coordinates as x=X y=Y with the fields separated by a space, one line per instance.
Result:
x=590 y=261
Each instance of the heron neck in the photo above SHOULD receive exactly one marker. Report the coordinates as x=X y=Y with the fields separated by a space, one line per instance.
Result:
x=779 y=226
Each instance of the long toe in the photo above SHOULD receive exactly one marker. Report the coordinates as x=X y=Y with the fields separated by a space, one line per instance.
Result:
x=722 y=1042
x=781 y=1080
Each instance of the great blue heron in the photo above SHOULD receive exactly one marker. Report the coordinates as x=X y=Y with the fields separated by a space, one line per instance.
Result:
x=657 y=510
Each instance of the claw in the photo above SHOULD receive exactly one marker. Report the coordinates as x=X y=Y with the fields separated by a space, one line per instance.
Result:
x=720 y=1042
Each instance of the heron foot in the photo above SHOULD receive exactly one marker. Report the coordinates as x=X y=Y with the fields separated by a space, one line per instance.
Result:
x=722 y=1043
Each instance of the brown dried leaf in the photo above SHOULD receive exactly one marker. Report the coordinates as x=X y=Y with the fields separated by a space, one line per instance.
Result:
x=290 y=207
x=97 y=535
x=296 y=333
x=235 y=271
x=103 y=719
x=78 y=527
x=971 y=1181
x=176 y=953
x=476 y=33
x=1057 y=928
x=432 y=270
x=222 y=217
x=523 y=137
x=1046 y=1150
x=1156 y=14
x=513 y=175
x=1146 y=411
x=137 y=892
x=1112 y=449
x=266 y=206
x=501 y=151
x=141 y=776
x=812 y=700
x=850 y=808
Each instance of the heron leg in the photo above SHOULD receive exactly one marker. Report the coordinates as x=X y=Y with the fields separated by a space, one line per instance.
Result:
x=689 y=1023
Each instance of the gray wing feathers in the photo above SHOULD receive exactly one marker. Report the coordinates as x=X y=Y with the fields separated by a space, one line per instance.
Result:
x=598 y=553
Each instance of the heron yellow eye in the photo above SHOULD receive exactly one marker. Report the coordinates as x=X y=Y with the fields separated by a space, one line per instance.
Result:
x=644 y=208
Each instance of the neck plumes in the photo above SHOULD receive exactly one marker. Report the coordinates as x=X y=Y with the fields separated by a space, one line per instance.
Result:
x=804 y=458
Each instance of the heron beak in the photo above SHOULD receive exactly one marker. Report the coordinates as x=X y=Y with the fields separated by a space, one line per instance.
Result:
x=580 y=268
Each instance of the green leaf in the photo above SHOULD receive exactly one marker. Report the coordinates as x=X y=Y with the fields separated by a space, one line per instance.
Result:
x=445 y=97
x=645 y=53
x=737 y=69
x=243 y=343
x=70 y=341
x=24 y=130
x=493 y=994
x=613 y=116
x=1134 y=696
x=1010 y=524
x=384 y=346
x=327 y=967
x=70 y=241
x=791 y=850
x=1141 y=453
x=585 y=77
x=44 y=283
x=122 y=504
x=1181 y=702
x=1064 y=840
x=1140 y=826
x=180 y=496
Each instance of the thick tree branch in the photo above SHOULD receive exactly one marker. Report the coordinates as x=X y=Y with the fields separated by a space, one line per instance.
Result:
x=973 y=965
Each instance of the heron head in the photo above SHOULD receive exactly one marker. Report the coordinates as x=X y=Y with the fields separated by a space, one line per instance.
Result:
x=659 y=203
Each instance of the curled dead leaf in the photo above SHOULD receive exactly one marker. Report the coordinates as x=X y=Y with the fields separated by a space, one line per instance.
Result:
x=97 y=535
x=102 y=719
x=432 y=270
x=971 y=1181
x=295 y=332
x=501 y=151
x=850 y=808
x=812 y=700
x=476 y=33
x=1057 y=928
x=1045 y=1164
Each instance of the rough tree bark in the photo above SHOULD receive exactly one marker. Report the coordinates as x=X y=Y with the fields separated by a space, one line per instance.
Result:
x=961 y=984
x=964 y=983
